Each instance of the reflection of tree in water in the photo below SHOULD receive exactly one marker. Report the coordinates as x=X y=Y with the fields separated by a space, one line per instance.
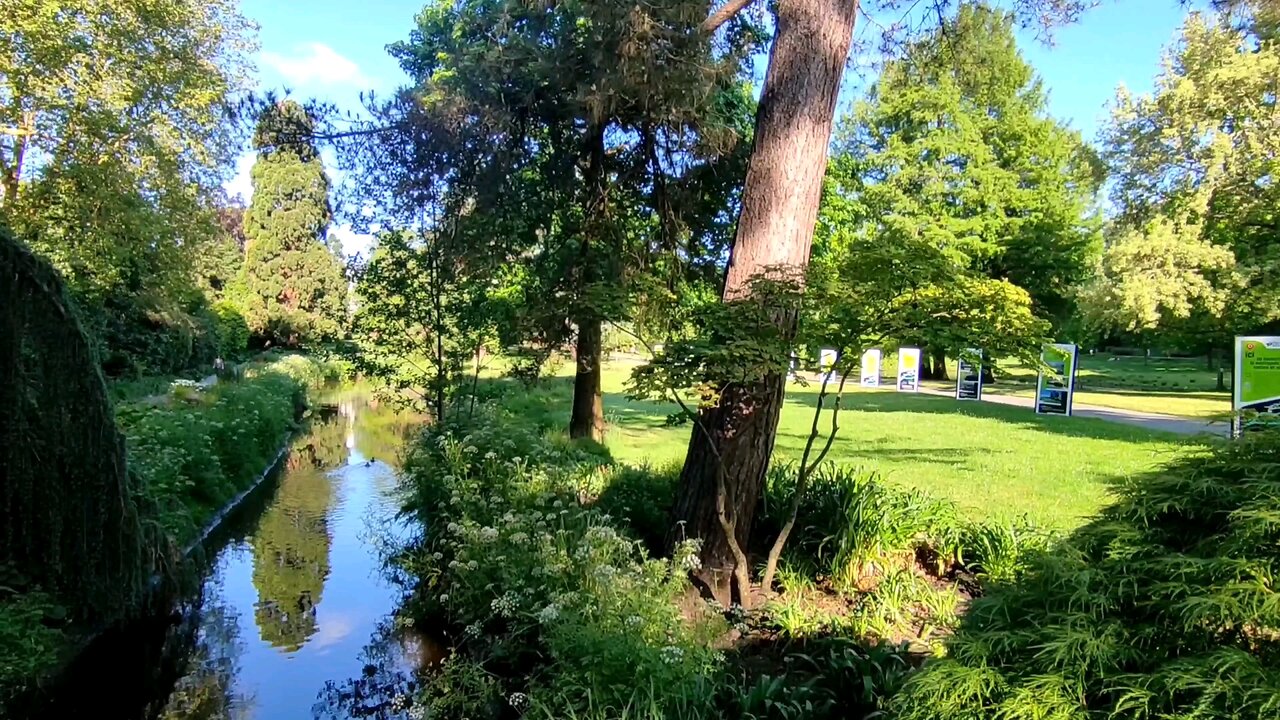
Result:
x=324 y=447
x=291 y=558
x=381 y=430
x=386 y=686
x=204 y=692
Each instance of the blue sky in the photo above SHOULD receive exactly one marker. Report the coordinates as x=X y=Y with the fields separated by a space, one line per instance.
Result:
x=332 y=50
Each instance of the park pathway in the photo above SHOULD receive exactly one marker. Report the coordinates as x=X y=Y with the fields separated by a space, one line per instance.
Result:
x=1150 y=421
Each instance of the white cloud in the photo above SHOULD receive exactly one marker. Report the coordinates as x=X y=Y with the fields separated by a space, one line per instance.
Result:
x=315 y=64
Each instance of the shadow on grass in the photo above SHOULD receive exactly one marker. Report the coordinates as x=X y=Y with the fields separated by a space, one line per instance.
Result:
x=1026 y=418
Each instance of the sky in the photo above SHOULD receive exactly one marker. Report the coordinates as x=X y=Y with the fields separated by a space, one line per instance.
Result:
x=334 y=49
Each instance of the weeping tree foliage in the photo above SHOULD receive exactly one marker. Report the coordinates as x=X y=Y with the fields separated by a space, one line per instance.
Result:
x=68 y=523
x=1165 y=606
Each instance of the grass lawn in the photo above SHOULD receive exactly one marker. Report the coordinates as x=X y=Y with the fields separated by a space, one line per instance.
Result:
x=1165 y=386
x=991 y=460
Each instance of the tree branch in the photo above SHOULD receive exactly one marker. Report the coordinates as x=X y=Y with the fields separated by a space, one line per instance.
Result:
x=724 y=15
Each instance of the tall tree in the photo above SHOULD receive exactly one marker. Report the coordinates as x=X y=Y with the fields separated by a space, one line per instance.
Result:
x=294 y=279
x=955 y=138
x=1197 y=237
x=731 y=443
x=112 y=154
x=581 y=109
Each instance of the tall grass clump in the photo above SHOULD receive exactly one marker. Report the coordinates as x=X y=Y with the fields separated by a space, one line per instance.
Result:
x=853 y=526
x=1165 y=606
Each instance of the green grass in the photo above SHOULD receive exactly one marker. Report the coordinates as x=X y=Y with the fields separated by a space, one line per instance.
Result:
x=993 y=461
x=1166 y=386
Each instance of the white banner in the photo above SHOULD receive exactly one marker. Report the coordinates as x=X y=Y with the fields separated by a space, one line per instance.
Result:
x=871 y=368
x=908 y=369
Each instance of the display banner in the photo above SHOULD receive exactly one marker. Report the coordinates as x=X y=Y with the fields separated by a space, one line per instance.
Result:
x=871 y=368
x=909 y=369
x=969 y=376
x=1056 y=386
x=1256 y=383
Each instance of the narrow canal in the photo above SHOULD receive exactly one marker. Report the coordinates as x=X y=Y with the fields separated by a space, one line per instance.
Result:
x=294 y=617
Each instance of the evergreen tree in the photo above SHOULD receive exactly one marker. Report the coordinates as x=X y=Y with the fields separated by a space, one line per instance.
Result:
x=294 y=285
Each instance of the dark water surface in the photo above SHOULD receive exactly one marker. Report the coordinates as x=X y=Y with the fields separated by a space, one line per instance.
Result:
x=294 y=619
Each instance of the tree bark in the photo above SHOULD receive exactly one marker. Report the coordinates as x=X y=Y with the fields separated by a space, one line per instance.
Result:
x=939 y=361
x=775 y=233
x=587 y=420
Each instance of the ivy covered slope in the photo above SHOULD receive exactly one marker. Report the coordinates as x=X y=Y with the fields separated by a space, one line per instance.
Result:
x=1165 y=606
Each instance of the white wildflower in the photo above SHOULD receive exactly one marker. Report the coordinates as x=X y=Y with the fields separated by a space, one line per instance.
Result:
x=549 y=613
x=672 y=654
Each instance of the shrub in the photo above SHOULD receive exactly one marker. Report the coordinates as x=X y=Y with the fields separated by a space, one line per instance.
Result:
x=1165 y=606
x=543 y=592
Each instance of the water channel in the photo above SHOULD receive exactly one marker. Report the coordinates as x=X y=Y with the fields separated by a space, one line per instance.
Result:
x=294 y=616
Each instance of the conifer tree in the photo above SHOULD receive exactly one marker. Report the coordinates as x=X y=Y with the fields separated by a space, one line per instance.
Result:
x=293 y=281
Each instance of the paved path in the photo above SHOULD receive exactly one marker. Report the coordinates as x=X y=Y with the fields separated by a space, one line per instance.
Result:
x=1150 y=421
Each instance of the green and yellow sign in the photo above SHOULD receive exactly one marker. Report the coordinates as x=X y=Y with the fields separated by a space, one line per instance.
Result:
x=1256 y=389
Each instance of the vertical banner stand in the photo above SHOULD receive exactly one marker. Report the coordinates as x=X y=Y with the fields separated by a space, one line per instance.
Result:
x=1055 y=393
x=870 y=368
x=908 y=369
x=969 y=376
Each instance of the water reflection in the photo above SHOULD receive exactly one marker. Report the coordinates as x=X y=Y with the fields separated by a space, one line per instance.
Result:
x=295 y=600
x=205 y=692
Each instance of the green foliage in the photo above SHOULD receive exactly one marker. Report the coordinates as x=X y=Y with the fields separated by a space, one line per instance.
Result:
x=112 y=158
x=537 y=584
x=954 y=150
x=293 y=277
x=191 y=456
x=1194 y=165
x=725 y=343
x=1162 y=607
x=642 y=498
x=233 y=330
x=423 y=318
x=28 y=646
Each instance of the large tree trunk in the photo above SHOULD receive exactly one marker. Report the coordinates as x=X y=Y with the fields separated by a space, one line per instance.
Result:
x=588 y=406
x=587 y=420
x=775 y=232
